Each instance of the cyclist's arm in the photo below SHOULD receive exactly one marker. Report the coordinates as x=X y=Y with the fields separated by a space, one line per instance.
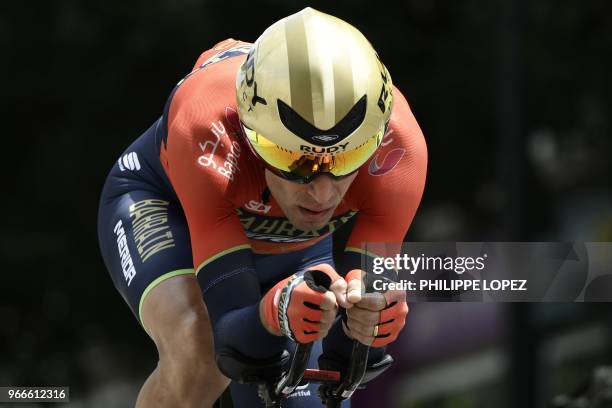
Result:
x=231 y=292
x=387 y=201
x=221 y=254
x=389 y=189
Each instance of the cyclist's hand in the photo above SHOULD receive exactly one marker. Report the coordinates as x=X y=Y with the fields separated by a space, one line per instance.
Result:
x=301 y=307
x=376 y=319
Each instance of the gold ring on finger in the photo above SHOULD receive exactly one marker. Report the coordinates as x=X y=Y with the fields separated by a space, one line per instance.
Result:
x=375 y=331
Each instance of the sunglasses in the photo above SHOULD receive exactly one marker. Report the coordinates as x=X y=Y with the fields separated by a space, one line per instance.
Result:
x=303 y=168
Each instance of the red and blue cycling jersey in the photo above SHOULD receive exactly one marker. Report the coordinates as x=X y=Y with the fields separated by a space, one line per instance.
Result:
x=219 y=182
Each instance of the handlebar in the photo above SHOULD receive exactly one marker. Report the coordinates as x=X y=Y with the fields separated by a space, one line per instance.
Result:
x=292 y=379
x=335 y=386
x=355 y=373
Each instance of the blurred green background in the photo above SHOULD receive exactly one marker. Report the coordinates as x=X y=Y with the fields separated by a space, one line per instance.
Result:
x=513 y=97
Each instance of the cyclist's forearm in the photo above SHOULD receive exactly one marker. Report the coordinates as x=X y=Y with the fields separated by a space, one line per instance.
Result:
x=242 y=330
x=232 y=300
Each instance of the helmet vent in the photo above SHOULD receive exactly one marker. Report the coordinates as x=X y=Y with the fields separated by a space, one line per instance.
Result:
x=311 y=134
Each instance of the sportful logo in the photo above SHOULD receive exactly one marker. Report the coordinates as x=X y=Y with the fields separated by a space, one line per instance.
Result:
x=301 y=391
x=129 y=162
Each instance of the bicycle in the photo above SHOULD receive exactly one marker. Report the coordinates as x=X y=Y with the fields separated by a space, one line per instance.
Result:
x=335 y=387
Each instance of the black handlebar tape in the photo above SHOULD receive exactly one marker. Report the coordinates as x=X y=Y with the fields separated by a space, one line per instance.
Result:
x=333 y=403
x=356 y=371
x=320 y=282
x=317 y=280
x=299 y=363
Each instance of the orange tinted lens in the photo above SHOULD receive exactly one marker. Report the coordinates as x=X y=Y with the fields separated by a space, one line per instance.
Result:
x=304 y=165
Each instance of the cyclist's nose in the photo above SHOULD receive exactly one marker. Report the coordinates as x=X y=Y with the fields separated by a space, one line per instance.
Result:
x=322 y=189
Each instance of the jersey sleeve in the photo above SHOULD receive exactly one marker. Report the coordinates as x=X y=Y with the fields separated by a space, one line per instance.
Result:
x=220 y=46
x=193 y=155
x=389 y=188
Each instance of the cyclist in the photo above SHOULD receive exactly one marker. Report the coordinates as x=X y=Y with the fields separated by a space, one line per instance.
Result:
x=209 y=219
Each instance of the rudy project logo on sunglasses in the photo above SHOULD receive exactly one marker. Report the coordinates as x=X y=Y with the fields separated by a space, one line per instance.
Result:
x=323 y=151
x=325 y=138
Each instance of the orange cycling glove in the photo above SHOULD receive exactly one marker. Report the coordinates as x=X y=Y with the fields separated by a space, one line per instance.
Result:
x=391 y=318
x=292 y=306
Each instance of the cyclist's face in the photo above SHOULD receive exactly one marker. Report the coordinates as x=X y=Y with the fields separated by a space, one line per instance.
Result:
x=309 y=206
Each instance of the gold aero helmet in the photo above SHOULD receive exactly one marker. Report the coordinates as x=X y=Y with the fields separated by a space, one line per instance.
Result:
x=313 y=97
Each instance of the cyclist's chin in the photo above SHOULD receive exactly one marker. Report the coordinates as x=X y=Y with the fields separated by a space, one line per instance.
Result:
x=306 y=220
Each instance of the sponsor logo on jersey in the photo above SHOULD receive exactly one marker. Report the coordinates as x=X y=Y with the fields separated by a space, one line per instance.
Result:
x=258 y=206
x=150 y=227
x=229 y=167
x=129 y=162
x=127 y=265
x=280 y=229
x=391 y=159
x=232 y=118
